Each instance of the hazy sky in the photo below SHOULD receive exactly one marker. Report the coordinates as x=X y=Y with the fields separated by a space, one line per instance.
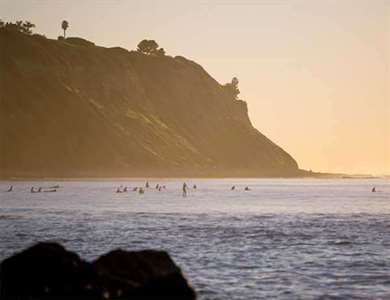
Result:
x=315 y=73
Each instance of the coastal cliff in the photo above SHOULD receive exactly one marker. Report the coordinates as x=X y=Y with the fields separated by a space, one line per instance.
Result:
x=73 y=109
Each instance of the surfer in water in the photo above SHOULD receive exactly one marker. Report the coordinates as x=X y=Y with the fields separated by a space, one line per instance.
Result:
x=247 y=189
x=147 y=184
x=185 y=189
x=233 y=187
x=36 y=191
x=10 y=188
x=373 y=189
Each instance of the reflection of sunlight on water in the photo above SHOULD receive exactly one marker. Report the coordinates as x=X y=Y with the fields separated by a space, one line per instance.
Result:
x=283 y=238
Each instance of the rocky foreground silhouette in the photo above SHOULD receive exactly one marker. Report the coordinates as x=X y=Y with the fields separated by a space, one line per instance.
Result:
x=49 y=271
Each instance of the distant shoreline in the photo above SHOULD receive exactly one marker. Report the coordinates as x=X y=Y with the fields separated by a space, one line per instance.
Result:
x=64 y=179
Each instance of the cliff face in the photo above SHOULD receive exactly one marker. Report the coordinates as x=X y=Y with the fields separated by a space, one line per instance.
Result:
x=82 y=110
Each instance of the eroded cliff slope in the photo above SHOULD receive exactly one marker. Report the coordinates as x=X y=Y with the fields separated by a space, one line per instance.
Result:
x=71 y=110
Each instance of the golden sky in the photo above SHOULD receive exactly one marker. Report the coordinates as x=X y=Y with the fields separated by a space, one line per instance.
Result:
x=315 y=73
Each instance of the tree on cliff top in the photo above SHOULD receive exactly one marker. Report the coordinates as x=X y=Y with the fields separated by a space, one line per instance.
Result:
x=160 y=52
x=232 y=88
x=19 y=26
x=64 y=26
x=150 y=47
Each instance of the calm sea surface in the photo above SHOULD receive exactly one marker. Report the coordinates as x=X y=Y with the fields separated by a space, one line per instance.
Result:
x=284 y=239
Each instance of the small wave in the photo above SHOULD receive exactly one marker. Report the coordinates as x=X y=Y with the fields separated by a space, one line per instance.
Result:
x=340 y=243
x=10 y=217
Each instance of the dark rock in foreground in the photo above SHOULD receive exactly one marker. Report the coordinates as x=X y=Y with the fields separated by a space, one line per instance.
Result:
x=49 y=271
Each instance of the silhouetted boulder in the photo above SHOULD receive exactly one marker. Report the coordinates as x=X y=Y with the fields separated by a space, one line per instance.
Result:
x=49 y=271
x=43 y=269
x=152 y=273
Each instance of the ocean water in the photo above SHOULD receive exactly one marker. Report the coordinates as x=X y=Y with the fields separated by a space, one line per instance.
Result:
x=283 y=239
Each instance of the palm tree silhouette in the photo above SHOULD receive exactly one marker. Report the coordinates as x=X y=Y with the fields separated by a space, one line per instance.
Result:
x=65 y=26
